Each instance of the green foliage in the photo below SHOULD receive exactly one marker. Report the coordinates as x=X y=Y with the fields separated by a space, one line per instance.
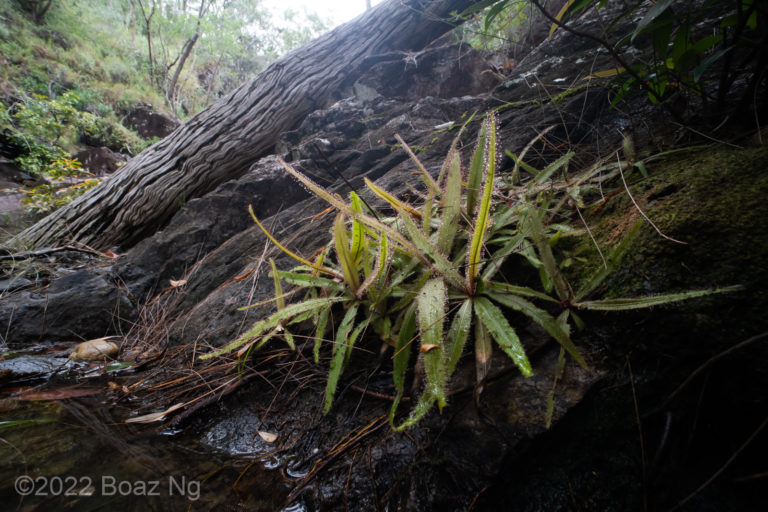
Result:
x=65 y=184
x=678 y=45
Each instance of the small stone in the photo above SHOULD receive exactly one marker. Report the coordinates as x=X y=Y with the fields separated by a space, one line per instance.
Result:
x=94 y=350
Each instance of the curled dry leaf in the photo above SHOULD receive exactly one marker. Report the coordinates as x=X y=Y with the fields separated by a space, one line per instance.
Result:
x=176 y=284
x=426 y=348
x=268 y=437
x=244 y=275
x=155 y=416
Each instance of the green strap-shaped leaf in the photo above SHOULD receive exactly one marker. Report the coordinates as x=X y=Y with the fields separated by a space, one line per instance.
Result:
x=322 y=323
x=288 y=251
x=451 y=204
x=346 y=262
x=541 y=317
x=475 y=179
x=545 y=254
x=458 y=334
x=272 y=321
x=424 y=174
x=358 y=235
x=438 y=260
x=431 y=314
x=505 y=336
x=554 y=166
x=422 y=407
x=339 y=356
x=392 y=200
x=279 y=299
x=623 y=304
x=483 y=213
x=504 y=288
x=382 y=262
x=308 y=280
x=403 y=348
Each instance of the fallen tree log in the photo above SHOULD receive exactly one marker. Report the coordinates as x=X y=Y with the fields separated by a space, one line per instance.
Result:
x=222 y=141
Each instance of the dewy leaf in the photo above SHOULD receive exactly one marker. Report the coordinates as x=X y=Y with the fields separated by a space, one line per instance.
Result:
x=623 y=304
x=341 y=243
x=322 y=323
x=458 y=334
x=279 y=299
x=483 y=212
x=286 y=250
x=545 y=254
x=451 y=205
x=493 y=319
x=382 y=261
x=424 y=245
x=431 y=313
x=427 y=177
x=475 y=180
x=544 y=319
x=403 y=348
x=395 y=202
x=358 y=235
x=272 y=321
x=340 y=348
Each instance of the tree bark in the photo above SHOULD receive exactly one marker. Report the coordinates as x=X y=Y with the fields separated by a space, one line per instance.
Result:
x=222 y=141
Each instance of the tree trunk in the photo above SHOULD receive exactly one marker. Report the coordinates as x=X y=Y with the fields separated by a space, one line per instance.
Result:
x=222 y=141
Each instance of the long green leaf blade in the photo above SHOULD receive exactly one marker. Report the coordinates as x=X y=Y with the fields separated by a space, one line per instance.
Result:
x=339 y=356
x=431 y=313
x=493 y=319
x=451 y=204
x=544 y=319
x=346 y=262
x=458 y=334
x=624 y=304
x=483 y=352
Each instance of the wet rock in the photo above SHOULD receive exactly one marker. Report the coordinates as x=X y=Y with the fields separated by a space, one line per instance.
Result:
x=449 y=71
x=94 y=350
x=30 y=367
x=101 y=161
x=87 y=303
x=148 y=123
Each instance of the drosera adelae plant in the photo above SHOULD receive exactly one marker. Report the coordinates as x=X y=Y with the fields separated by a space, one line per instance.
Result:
x=429 y=274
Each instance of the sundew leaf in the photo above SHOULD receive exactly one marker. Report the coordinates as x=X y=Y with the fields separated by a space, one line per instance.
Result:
x=475 y=179
x=308 y=280
x=451 y=204
x=358 y=235
x=483 y=212
x=382 y=263
x=524 y=291
x=431 y=313
x=553 y=167
x=483 y=353
x=458 y=334
x=346 y=262
x=438 y=259
x=431 y=183
x=541 y=317
x=288 y=251
x=279 y=299
x=545 y=254
x=505 y=336
x=403 y=348
x=623 y=304
x=392 y=200
x=339 y=356
x=422 y=407
x=272 y=321
x=322 y=323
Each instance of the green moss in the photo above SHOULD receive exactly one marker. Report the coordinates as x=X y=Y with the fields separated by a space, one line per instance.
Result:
x=714 y=200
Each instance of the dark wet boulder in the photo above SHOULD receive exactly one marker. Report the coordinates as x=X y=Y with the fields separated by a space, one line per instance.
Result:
x=101 y=161
x=149 y=123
